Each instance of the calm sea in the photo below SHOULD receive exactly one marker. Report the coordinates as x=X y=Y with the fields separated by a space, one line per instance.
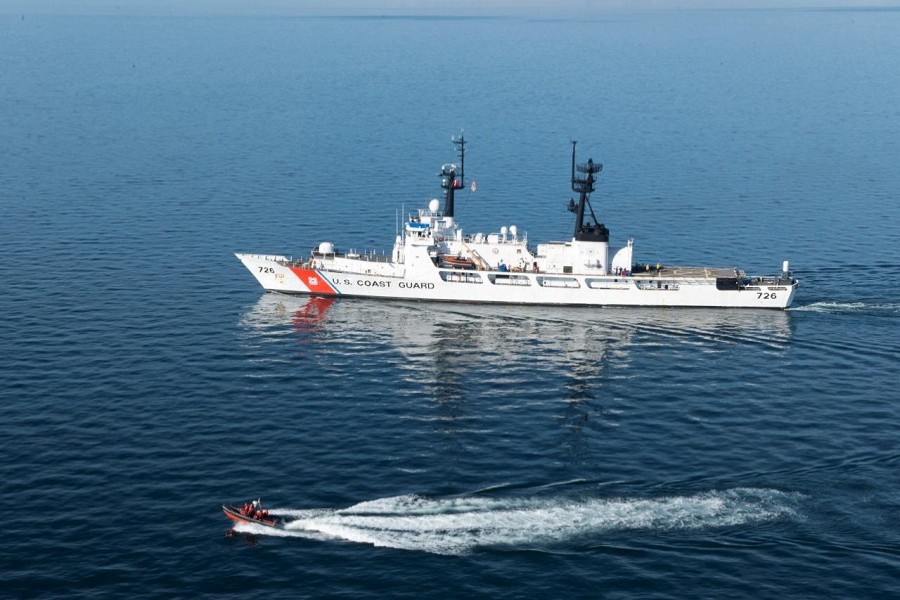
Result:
x=433 y=451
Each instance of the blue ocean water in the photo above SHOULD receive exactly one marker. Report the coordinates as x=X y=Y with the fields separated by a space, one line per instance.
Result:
x=446 y=450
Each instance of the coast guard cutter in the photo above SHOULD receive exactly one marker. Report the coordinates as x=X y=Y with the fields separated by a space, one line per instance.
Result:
x=434 y=259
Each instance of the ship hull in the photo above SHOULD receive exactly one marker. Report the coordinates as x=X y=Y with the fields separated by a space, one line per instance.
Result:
x=669 y=288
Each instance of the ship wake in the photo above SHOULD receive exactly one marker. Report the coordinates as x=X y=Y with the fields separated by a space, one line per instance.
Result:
x=460 y=525
x=867 y=308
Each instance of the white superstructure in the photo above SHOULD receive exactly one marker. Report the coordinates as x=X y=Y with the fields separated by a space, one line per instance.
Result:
x=433 y=259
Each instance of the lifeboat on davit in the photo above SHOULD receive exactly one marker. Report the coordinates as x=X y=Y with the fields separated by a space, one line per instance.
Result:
x=249 y=512
x=457 y=262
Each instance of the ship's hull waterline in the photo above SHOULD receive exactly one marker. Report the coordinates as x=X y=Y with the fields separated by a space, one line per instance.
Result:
x=664 y=288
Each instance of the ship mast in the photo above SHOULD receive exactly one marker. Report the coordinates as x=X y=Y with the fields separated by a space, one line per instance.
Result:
x=449 y=182
x=583 y=185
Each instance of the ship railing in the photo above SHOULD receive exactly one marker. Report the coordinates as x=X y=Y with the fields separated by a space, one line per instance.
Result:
x=424 y=212
x=279 y=258
x=369 y=255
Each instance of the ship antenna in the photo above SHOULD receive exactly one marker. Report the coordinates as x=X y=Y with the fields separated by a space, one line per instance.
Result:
x=583 y=185
x=460 y=144
x=574 y=142
x=449 y=182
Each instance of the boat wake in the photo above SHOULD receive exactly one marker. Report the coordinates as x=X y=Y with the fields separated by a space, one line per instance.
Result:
x=460 y=525
x=884 y=308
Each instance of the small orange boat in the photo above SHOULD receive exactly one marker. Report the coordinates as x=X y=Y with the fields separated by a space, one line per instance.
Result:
x=250 y=512
x=457 y=262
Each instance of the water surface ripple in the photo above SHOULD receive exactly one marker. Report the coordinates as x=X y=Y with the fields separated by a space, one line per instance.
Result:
x=446 y=450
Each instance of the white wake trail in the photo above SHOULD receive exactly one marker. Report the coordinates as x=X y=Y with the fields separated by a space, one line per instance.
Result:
x=459 y=525
x=888 y=308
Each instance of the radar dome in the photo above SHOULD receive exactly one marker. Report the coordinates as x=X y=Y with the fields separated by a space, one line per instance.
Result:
x=434 y=205
x=326 y=248
x=513 y=230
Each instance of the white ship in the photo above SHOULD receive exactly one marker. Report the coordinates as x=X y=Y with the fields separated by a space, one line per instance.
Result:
x=433 y=259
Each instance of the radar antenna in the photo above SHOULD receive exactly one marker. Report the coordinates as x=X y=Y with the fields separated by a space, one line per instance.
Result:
x=449 y=181
x=583 y=185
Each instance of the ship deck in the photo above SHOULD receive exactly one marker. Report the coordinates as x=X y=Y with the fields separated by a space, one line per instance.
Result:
x=665 y=272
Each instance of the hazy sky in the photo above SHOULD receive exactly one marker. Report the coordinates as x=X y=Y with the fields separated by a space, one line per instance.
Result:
x=401 y=7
